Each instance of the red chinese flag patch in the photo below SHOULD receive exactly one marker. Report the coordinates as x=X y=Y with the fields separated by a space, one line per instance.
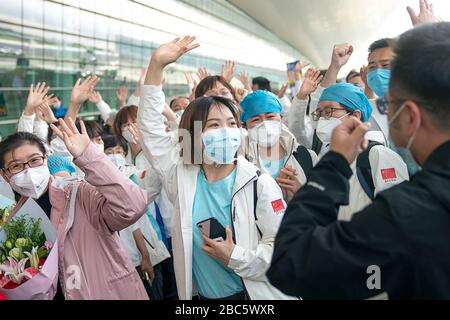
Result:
x=388 y=174
x=278 y=206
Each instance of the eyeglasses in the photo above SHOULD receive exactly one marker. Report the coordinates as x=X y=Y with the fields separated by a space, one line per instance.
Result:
x=383 y=104
x=32 y=163
x=326 y=113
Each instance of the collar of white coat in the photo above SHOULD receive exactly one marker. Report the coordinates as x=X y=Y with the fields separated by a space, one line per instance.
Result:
x=376 y=136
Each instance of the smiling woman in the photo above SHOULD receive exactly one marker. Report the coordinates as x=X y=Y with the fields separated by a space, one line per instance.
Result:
x=23 y=161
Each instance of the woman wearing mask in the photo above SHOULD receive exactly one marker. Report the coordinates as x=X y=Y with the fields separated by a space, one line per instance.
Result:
x=205 y=180
x=270 y=145
x=376 y=169
x=86 y=214
x=143 y=240
x=125 y=127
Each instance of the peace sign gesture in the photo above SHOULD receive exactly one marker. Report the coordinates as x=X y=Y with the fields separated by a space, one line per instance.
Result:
x=75 y=141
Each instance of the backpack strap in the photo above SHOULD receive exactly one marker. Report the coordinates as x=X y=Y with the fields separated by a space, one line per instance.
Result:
x=255 y=200
x=316 y=143
x=364 y=171
x=304 y=158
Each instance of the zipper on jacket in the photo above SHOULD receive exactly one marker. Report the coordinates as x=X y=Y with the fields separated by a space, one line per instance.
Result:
x=290 y=154
x=233 y=209
x=233 y=217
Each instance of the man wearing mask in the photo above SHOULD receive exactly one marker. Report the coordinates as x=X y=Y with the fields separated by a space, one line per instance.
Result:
x=400 y=243
x=376 y=169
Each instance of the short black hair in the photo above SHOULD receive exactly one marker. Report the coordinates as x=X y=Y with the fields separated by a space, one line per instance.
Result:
x=17 y=140
x=112 y=141
x=421 y=70
x=175 y=99
x=352 y=74
x=380 y=44
x=262 y=83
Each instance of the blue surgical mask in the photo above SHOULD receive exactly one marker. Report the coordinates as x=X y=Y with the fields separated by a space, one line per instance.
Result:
x=221 y=145
x=378 y=81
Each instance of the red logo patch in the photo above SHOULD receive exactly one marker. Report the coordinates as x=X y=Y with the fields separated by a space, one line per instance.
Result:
x=278 y=206
x=143 y=174
x=388 y=174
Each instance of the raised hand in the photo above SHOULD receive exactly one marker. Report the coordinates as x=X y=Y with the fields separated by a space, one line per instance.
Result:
x=75 y=141
x=44 y=111
x=166 y=54
x=310 y=83
x=172 y=51
x=282 y=90
x=301 y=65
x=134 y=132
x=192 y=84
x=121 y=95
x=341 y=54
x=241 y=93
x=36 y=97
x=243 y=77
x=228 y=70
x=95 y=97
x=82 y=90
x=202 y=73
x=426 y=14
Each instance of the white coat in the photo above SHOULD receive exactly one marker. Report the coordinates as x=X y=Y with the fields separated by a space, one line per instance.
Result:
x=252 y=254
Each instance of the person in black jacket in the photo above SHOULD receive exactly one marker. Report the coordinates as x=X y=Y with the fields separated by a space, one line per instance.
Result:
x=400 y=244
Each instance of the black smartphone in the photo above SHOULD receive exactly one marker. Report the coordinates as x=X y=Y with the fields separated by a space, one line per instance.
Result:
x=213 y=229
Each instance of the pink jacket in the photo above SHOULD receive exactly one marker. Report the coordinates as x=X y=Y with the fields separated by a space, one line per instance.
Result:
x=106 y=203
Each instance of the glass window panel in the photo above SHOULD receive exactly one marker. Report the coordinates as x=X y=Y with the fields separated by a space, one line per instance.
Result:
x=33 y=13
x=71 y=20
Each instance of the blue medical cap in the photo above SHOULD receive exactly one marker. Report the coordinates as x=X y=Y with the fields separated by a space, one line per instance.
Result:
x=350 y=96
x=258 y=102
x=58 y=163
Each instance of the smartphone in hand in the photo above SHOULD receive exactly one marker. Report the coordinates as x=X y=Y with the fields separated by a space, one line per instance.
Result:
x=213 y=229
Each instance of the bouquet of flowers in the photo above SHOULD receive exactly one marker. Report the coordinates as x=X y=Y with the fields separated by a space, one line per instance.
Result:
x=28 y=265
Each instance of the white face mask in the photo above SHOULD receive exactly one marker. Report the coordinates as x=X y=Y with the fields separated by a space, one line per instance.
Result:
x=325 y=129
x=56 y=105
x=31 y=182
x=266 y=134
x=128 y=136
x=118 y=160
x=405 y=151
x=100 y=147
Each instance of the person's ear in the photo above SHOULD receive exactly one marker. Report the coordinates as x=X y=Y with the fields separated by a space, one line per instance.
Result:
x=357 y=114
x=414 y=116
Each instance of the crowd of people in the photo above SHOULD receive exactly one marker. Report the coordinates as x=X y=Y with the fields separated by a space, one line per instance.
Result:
x=235 y=193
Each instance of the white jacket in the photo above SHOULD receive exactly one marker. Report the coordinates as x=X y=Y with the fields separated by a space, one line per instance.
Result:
x=150 y=182
x=382 y=160
x=252 y=255
x=289 y=143
x=33 y=125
